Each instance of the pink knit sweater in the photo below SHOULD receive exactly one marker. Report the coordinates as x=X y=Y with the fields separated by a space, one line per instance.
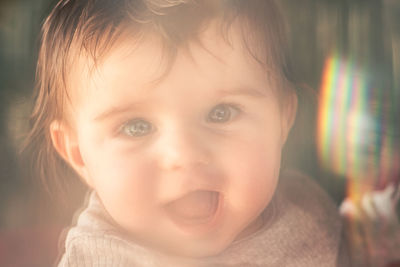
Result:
x=303 y=229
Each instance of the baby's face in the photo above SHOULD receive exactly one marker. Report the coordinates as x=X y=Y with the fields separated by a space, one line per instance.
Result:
x=185 y=165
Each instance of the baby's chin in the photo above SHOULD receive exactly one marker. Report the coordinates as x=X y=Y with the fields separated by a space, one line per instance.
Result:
x=187 y=250
x=198 y=250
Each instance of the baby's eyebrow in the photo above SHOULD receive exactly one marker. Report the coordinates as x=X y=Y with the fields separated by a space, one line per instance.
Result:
x=113 y=111
x=245 y=91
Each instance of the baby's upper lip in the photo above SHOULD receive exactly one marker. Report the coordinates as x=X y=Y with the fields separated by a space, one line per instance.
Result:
x=187 y=192
x=185 y=186
x=183 y=182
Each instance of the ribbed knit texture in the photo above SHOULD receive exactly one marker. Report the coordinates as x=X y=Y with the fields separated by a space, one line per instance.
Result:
x=302 y=229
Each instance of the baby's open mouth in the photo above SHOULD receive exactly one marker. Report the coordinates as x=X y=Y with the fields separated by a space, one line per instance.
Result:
x=194 y=208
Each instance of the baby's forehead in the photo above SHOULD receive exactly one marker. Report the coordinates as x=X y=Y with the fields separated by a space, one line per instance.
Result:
x=147 y=59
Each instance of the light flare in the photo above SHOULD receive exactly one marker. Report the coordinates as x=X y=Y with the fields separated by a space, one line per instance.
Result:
x=358 y=139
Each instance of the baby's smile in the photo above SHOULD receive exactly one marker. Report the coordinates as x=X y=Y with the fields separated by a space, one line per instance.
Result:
x=196 y=211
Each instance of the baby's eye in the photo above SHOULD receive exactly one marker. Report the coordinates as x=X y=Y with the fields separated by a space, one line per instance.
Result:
x=137 y=128
x=222 y=113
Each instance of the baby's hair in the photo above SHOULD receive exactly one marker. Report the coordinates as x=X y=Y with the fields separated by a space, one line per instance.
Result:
x=91 y=28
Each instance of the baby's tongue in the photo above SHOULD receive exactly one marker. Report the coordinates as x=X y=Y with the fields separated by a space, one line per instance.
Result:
x=195 y=205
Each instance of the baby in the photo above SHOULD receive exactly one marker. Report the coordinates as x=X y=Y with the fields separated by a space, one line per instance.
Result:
x=175 y=113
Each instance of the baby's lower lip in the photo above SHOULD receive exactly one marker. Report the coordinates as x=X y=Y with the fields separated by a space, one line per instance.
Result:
x=196 y=210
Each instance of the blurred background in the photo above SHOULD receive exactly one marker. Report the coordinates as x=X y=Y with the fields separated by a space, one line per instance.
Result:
x=346 y=60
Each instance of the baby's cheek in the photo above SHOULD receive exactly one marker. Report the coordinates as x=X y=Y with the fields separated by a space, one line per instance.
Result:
x=125 y=182
x=256 y=171
x=132 y=180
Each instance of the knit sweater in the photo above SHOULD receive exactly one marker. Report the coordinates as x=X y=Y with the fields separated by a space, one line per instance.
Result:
x=302 y=229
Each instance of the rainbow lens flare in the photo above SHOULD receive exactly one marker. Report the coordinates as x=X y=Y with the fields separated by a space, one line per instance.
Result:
x=356 y=133
x=357 y=138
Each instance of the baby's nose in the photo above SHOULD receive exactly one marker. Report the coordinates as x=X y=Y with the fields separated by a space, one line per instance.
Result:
x=183 y=148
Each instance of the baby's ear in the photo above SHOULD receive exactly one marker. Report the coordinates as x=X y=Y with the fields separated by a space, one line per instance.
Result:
x=65 y=142
x=288 y=115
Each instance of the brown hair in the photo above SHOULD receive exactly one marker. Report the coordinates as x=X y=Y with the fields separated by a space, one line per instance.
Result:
x=93 y=26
